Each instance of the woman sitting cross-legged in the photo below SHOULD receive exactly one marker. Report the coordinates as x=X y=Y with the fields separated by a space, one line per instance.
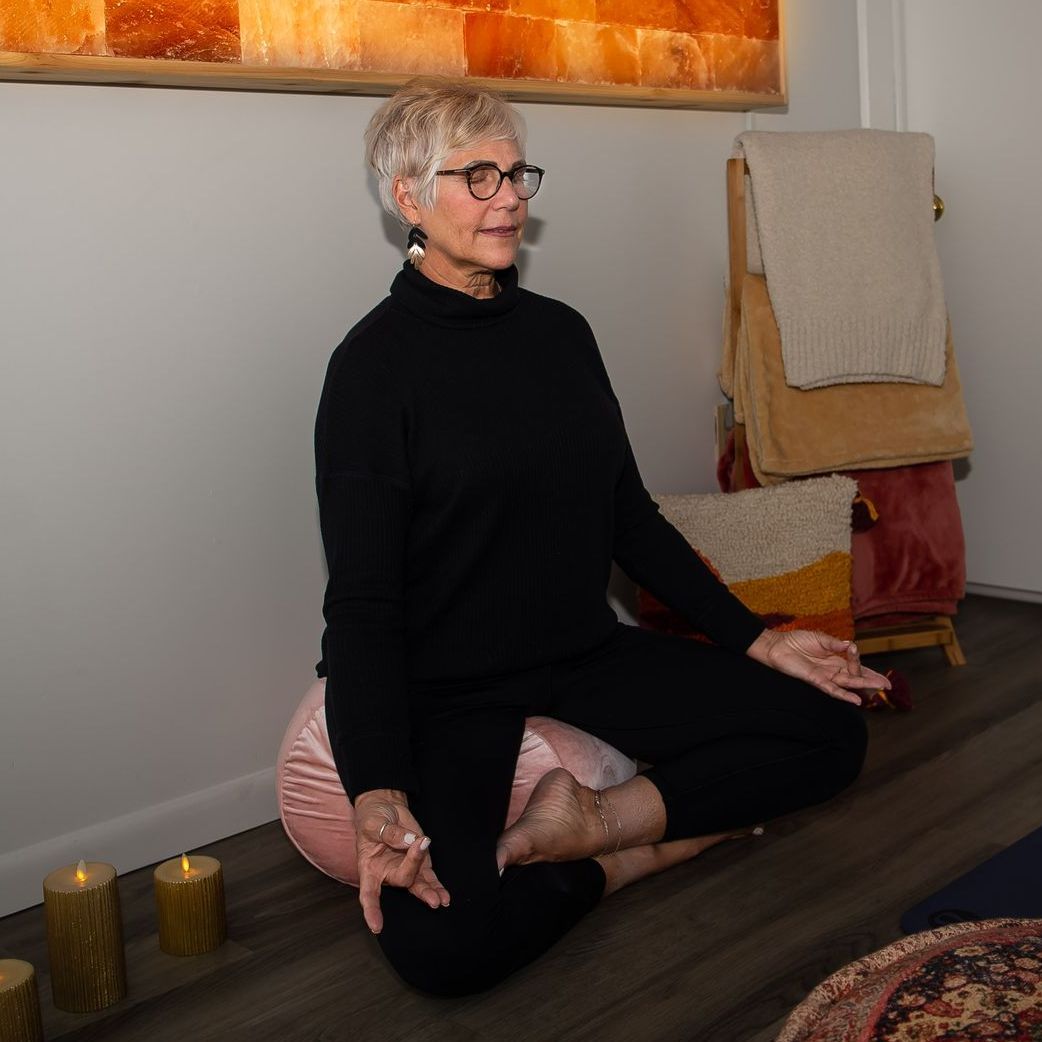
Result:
x=475 y=483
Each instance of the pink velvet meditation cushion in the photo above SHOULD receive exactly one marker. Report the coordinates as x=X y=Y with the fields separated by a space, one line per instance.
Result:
x=319 y=819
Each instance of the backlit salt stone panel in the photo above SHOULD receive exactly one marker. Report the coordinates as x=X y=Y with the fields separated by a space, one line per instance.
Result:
x=410 y=38
x=647 y=14
x=740 y=64
x=506 y=47
x=701 y=45
x=674 y=60
x=457 y=5
x=306 y=34
x=757 y=19
x=195 y=30
x=597 y=54
x=563 y=10
x=55 y=27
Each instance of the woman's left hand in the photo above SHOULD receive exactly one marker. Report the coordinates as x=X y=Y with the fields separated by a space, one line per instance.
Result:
x=828 y=663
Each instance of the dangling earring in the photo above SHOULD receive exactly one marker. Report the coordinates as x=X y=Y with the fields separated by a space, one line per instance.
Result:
x=416 y=252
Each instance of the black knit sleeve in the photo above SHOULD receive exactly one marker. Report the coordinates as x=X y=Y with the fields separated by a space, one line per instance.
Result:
x=657 y=557
x=364 y=500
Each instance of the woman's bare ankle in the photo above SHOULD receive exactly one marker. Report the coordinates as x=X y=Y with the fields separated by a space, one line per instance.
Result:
x=632 y=864
x=627 y=866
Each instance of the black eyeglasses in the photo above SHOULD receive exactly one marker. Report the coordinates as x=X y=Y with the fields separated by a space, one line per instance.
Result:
x=484 y=179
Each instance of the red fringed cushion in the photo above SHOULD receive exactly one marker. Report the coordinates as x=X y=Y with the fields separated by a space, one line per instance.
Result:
x=913 y=559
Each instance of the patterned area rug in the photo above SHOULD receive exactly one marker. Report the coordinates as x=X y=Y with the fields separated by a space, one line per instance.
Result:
x=969 y=982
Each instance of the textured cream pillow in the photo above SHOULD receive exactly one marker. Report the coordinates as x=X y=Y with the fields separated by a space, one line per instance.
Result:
x=784 y=551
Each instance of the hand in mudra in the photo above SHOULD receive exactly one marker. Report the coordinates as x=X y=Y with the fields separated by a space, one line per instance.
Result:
x=392 y=850
x=828 y=663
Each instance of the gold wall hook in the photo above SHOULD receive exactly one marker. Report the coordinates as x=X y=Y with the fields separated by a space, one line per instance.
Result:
x=938 y=207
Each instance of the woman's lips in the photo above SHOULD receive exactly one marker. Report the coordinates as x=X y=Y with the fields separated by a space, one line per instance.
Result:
x=504 y=233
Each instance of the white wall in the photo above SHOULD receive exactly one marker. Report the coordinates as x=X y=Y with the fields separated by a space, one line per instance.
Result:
x=969 y=78
x=175 y=268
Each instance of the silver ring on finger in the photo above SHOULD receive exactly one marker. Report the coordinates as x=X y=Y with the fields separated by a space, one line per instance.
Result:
x=380 y=834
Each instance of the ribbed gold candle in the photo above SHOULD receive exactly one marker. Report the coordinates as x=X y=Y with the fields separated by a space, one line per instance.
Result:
x=84 y=937
x=19 y=1003
x=190 y=904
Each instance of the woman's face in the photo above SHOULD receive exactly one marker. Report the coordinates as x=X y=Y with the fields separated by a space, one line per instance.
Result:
x=466 y=236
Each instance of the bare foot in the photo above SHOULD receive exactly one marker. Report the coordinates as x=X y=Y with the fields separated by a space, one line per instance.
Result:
x=627 y=866
x=559 y=823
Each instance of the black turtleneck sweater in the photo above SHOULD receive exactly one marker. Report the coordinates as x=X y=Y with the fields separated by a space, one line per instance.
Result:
x=475 y=482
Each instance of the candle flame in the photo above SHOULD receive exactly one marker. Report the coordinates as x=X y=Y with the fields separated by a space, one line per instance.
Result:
x=81 y=871
x=184 y=863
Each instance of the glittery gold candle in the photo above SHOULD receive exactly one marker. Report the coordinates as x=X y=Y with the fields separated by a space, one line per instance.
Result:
x=84 y=937
x=190 y=904
x=19 y=1003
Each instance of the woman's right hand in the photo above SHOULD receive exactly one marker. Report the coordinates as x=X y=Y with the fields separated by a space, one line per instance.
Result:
x=398 y=857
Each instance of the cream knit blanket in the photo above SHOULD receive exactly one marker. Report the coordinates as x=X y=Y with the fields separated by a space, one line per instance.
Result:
x=845 y=225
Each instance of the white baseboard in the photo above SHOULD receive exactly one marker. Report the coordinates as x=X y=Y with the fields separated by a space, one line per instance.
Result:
x=143 y=837
x=1008 y=593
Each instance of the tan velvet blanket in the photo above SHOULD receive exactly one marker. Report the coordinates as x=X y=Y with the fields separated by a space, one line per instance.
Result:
x=842 y=427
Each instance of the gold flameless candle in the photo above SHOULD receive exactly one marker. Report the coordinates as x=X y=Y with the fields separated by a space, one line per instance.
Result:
x=19 y=1003
x=190 y=904
x=84 y=937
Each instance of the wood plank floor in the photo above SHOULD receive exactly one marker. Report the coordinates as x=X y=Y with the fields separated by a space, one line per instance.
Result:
x=718 y=950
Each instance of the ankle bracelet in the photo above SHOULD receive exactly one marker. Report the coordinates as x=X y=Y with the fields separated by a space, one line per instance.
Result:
x=618 y=822
x=604 y=820
x=604 y=823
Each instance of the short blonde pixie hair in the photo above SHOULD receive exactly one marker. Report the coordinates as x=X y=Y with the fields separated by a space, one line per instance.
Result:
x=421 y=125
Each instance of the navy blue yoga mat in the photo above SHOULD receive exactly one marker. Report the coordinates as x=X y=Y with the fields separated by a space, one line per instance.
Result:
x=1009 y=884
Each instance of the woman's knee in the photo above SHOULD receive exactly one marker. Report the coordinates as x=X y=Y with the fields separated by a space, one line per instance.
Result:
x=848 y=741
x=479 y=940
x=440 y=951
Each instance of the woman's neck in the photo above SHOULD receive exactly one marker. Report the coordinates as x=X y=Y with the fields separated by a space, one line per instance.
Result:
x=450 y=307
x=479 y=284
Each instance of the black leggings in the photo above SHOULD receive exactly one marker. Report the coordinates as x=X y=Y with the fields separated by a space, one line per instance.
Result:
x=733 y=743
